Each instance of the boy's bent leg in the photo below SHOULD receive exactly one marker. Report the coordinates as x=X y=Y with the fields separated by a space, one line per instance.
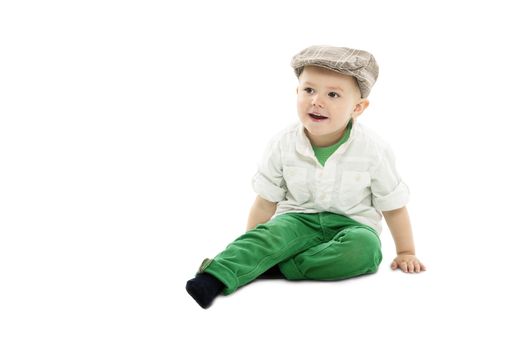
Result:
x=262 y=247
x=352 y=252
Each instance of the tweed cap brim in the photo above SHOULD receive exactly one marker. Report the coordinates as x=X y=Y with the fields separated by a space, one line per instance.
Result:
x=357 y=63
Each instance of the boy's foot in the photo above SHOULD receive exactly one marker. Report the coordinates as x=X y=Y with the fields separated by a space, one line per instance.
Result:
x=204 y=288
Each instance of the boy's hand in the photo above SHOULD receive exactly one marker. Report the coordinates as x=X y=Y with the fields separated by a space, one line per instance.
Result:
x=407 y=263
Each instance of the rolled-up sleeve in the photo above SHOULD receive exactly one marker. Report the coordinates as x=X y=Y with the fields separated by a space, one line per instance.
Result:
x=389 y=192
x=268 y=181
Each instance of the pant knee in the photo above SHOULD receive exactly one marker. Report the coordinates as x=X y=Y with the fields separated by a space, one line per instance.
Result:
x=362 y=246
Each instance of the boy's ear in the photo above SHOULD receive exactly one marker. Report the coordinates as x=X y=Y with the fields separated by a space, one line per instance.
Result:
x=360 y=107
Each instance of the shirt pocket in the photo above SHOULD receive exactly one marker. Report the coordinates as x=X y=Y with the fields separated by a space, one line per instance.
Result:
x=296 y=179
x=354 y=187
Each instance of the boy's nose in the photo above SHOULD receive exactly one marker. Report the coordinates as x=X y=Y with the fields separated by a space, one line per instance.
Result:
x=316 y=101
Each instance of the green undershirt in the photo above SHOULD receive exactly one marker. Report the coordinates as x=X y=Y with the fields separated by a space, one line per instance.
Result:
x=323 y=153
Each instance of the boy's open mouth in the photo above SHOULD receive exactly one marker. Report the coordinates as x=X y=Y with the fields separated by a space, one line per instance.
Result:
x=317 y=117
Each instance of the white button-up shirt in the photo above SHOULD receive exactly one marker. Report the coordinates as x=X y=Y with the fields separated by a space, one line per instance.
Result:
x=359 y=179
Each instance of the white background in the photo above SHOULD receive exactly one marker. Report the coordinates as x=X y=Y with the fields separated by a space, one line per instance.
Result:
x=130 y=131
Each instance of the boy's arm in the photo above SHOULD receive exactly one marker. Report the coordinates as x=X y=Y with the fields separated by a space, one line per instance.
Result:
x=261 y=212
x=400 y=227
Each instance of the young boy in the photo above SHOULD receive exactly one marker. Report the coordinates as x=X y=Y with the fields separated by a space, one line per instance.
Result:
x=323 y=184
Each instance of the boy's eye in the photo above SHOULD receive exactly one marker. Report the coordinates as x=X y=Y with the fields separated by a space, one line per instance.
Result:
x=311 y=90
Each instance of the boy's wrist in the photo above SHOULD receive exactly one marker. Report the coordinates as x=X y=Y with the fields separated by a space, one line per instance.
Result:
x=406 y=252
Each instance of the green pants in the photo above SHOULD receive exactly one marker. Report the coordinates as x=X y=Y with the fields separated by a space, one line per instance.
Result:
x=317 y=246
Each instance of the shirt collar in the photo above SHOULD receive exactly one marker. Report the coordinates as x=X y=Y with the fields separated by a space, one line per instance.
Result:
x=304 y=147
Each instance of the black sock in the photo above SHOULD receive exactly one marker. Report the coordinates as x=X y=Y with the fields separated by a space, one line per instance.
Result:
x=204 y=288
x=273 y=273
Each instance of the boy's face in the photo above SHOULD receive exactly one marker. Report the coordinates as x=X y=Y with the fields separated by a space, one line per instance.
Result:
x=332 y=95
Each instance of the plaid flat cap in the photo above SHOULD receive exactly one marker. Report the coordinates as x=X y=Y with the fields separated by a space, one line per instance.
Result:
x=357 y=63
